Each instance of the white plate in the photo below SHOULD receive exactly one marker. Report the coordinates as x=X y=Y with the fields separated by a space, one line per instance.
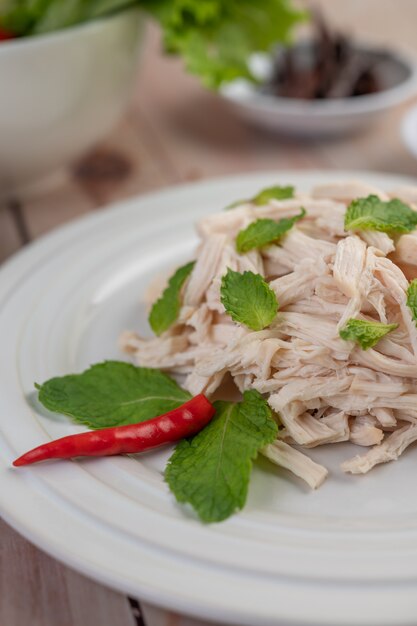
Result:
x=346 y=554
x=409 y=131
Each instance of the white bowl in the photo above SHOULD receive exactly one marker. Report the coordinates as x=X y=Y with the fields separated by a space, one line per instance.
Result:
x=409 y=131
x=62 y=92
x=324 y=117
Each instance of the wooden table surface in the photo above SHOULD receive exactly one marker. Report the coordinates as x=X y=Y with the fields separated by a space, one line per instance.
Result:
x=174 y=132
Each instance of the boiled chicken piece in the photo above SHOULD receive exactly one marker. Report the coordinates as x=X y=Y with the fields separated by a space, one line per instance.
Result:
x=302 y=280
x=225 y=223
x=295 y=248
x=339 y=423
x=195 y=384
x=407 y=194
x=380 y=241
x=349 y=265
x=389 y=450
x=384 y=416
x=365 y=432
x=204 y=269
x=347 y=191
x=406 y=250
x=298 y=463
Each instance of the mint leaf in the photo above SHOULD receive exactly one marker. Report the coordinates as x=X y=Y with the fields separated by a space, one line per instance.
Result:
x=366 y=334
x=371 y=213
x=265 y=195
x=166 y=309
x=264 y=232
x=235 y=204
x=273 y=193
x=211 y=471
x=412 y=298
x=112 y=393
x=248 y=299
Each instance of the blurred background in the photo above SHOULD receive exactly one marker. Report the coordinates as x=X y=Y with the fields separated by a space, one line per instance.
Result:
x=176 y=131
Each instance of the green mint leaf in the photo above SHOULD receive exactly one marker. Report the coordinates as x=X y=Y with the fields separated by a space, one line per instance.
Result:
x=264 y=196
x=273 y=193
x=112 y=393
x=166 y=309
x=366 y=334
x=235 y=204
x=264 y=232
x=248 y=299
x=371 y=213
x=211 y=471
x=412 y=298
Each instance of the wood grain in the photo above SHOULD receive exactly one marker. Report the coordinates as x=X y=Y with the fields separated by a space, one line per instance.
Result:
x=37 y=590
x=159 y=617
x=47 y=210
x=175 y=131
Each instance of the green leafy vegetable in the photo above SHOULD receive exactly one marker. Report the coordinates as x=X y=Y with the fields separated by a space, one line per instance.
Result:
x=265 y=195
x=264 y=232
x=215 y=37
x=366 y=334
x=112 y=393
x=248 y=299
x=166 y=309
x=371 y=213
x=412 y=298
x=273 y=193
x=32 y=17
x=211 y=471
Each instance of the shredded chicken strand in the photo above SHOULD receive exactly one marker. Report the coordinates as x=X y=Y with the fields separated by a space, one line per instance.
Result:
x=324 y=390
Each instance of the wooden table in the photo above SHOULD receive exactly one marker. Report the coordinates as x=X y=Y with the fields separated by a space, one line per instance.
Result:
x=174 y=132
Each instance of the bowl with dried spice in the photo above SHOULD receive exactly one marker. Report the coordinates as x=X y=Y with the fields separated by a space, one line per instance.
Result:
x=325 y=85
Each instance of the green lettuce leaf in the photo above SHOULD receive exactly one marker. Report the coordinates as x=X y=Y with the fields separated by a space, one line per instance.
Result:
x=263 y=232
x=112 y=393
x=248 y=299
x=212 y=471
x=217 y=37
x=366 y=334
x=165 y=310
x=371 y=213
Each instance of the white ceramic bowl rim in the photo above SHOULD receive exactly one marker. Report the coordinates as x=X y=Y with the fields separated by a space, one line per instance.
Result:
x=409 y=130
x=11 y=45
x=361 y=104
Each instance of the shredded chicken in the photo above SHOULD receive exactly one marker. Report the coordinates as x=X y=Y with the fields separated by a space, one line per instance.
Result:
x=298 y=463
x=323 y=389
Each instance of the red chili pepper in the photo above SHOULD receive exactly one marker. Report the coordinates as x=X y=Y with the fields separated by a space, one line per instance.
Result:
x=5 y=34
x=182 y=422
